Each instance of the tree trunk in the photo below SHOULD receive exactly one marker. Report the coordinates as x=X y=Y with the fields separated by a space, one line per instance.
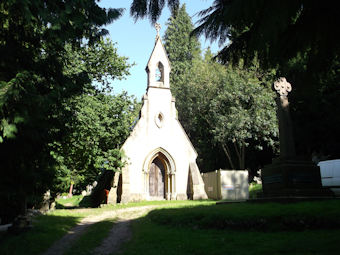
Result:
x=23 y=204
x=227 y=153
x=22 y=198
x=70 y=191
x=243 y=157
x=238 y=153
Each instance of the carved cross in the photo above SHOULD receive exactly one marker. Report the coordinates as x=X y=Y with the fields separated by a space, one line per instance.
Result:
x=282 y=87
x=287 y=148
x=158 y=27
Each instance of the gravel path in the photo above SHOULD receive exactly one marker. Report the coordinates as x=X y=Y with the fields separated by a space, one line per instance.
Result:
x=119 y=234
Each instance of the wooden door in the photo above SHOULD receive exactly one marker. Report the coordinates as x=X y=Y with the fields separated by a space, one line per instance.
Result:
x=157 y=179
x=152 y=180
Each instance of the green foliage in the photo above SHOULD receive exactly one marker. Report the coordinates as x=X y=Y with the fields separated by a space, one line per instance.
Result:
x=96 y=124
x=315 y=108
x=218 y=106
x=297 y=38
x=294 y=37
x=99 y=125
x=242 y=112
x=35 y=82
x=276 y=31
x=181 y=48
x=98 y=60
x=254 y=190
x=151 y=8
x=229 y=107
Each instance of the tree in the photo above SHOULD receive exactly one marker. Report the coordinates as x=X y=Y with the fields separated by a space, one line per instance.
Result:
x=99 y=125
x=180 y=46
x=99 y=61
x=206 y=93
x=96 y=123
x=232 y=106
x=274 y=31
x=33 y=86
x=294 y=37
x=151 y=8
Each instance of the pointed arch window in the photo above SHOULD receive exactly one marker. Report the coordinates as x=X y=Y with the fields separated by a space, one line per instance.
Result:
x=160 y=72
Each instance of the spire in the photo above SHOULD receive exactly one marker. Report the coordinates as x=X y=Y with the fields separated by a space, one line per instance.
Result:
x=158 y=67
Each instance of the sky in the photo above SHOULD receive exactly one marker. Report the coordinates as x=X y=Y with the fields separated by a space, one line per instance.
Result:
x=135 y=40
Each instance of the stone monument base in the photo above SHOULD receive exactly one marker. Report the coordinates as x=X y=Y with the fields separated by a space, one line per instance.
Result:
x=288 y=178
x=20 y=224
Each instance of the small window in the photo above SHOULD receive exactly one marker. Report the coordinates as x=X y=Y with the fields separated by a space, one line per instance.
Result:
x=160 y=72
x=159 y=118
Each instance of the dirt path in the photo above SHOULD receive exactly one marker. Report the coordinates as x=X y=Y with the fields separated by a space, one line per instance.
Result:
x=119 y=234
x=121 y=231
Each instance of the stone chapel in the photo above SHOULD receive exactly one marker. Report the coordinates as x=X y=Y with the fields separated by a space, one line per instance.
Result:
x=160 y=159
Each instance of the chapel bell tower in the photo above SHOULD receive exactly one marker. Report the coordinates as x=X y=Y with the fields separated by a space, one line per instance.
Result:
x=158 y=67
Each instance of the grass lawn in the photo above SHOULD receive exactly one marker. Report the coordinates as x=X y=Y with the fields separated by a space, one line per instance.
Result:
x=151 y=238
x=195 y=227
x=47 y=229
x=73 y=201
x=52 y=226
x=297 y=228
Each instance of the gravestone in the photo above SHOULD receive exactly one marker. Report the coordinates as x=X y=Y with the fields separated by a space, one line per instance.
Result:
x=288 y=175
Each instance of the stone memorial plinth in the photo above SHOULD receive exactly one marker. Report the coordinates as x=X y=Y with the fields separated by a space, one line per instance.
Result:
x=287 y=175
x=292 y=178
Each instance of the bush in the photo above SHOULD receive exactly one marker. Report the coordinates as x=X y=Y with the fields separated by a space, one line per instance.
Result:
x=255 y=190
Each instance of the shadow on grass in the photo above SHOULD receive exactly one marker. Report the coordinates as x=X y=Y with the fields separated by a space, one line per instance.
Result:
x=46 y=230
x=257 y=217
x=224 y=229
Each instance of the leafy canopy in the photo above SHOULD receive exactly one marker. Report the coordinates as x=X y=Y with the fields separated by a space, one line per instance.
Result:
x=34 y=84
x=181 y=48
x=221 y=108
x=99 y=125
x=232 y=106
x=151 y=8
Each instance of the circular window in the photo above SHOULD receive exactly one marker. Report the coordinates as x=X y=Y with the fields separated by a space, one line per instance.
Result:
x=159 y=118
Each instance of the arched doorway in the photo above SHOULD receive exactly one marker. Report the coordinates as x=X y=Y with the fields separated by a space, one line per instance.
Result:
x=159 y=175
x=157 y=179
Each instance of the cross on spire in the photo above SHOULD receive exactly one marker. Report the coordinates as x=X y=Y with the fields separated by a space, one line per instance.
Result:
x=158 y=27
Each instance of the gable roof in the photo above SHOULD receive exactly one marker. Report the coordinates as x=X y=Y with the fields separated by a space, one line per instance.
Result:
x=158 y=41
